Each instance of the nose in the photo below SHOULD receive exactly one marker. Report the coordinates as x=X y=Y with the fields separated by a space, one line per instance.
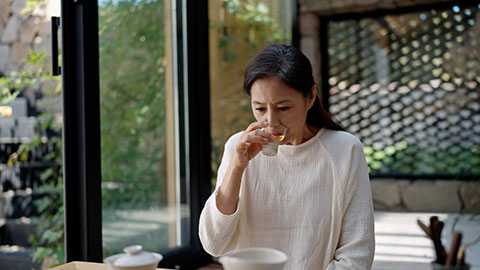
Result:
x=272 y=117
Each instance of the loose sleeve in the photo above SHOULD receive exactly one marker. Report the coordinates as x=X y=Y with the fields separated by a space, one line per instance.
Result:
x=356 y=246
x=216 y=230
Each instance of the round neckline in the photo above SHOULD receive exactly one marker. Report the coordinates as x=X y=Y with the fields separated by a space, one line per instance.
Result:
x=306 y=143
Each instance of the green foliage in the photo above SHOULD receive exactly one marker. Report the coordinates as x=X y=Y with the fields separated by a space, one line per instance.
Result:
x=34 y=7
x=132 y=98
x=48 y=240
x=33 y=73
x=410 y=159
x=254 y=26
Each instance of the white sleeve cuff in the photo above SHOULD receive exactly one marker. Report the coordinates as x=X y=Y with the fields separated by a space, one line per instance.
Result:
x=216 y=229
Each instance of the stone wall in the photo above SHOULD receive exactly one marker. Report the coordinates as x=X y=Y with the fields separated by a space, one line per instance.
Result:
x=388 y=194
x=24 y=28
x=449 y=196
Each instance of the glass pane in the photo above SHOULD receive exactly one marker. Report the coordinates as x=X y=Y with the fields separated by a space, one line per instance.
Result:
x=238 y=29
x=138 y=170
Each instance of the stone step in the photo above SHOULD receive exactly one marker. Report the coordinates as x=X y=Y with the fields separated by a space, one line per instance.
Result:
x=16 y=257
x=16 y=232
x=22 y=176
x=11 y=145
x=18 y=204
x=6 y=149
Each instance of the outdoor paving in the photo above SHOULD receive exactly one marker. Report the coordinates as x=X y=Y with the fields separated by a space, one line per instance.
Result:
x=401 y=244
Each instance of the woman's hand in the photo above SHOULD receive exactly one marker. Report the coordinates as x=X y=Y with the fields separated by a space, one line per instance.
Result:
x=250 y=144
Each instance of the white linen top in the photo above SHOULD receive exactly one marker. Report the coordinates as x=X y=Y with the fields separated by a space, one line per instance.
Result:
x=312 y=201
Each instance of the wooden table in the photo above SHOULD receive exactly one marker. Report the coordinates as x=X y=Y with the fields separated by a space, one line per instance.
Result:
x=86 y=266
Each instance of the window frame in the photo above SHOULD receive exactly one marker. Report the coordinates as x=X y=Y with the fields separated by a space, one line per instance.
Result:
x=81 y=109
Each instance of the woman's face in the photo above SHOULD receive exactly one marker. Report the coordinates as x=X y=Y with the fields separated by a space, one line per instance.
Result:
x=277 y=103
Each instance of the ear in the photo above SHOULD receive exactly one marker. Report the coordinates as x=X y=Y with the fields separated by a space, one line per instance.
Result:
x=312 y=96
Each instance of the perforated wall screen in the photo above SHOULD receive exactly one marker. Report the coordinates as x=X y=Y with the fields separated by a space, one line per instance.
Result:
x=408 y=86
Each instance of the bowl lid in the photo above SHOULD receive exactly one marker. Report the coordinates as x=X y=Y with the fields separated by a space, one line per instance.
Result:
x=136 y=257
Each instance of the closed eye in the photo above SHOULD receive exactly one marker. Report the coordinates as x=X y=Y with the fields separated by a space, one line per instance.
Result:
x=283 y=108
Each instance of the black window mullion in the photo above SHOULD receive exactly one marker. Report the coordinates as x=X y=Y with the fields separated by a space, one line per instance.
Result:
x=324 y=72
x=295 y=27
x=81 y=131
x=198 y=110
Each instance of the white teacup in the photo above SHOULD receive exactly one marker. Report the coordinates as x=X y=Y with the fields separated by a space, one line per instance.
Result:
x=254 y=259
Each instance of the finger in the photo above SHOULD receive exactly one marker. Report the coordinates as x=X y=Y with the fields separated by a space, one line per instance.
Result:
x=261 y=132
x=251 y=138
x=256 y=125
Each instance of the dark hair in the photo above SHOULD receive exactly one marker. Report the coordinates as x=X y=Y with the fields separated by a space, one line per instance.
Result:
x=293 y=68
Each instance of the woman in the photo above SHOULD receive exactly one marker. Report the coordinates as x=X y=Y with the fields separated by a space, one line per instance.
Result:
x=313 y=199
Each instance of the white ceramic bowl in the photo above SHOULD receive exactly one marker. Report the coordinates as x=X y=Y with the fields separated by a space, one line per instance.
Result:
x=254 y=259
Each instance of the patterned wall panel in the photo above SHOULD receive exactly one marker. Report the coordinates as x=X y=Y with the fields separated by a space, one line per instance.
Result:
x=408 y=86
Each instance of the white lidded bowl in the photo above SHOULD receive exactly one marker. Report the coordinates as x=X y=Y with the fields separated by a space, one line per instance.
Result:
x=134 y=259
x=254 y=259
